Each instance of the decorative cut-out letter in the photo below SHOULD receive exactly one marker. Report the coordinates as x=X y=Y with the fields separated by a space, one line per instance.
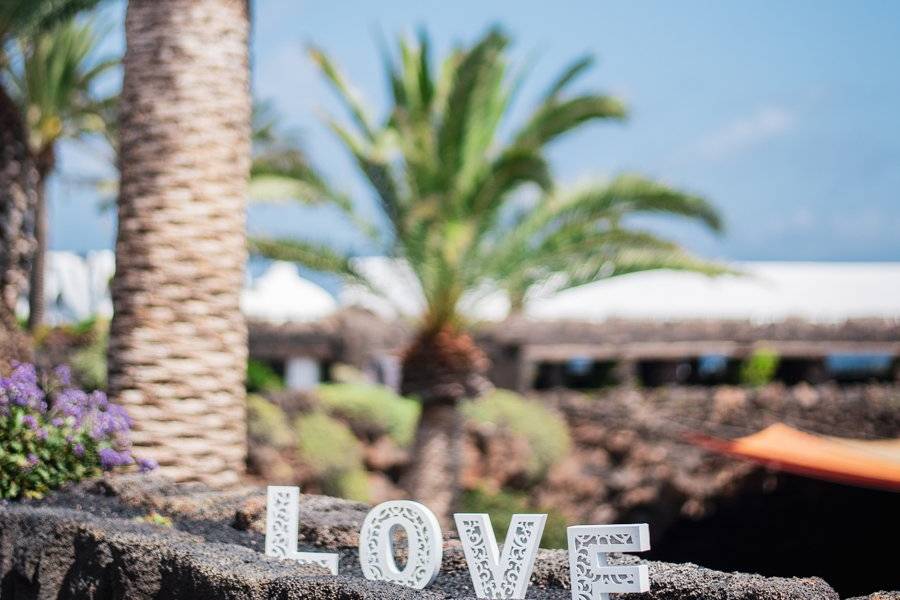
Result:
x=592 y=576
x=424 y=544
x=495 y=574
x=282 y=524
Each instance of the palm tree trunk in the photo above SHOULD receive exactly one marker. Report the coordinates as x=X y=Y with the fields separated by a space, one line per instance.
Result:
x=440 y=369
x=178 y=341
x=36 y=303
x=434 y=472
x=18 y=178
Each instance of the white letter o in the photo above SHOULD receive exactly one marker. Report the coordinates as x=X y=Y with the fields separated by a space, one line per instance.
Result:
x=376 y=546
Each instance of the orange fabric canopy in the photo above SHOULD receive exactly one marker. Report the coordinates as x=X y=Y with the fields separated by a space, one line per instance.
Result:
x=868 y=463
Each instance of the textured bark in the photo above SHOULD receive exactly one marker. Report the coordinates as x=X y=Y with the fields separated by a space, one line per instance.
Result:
x=36 y=301
x=440 y=369
x=434 y=471
x=18 y=179
x=178 y=342
x=446 y=365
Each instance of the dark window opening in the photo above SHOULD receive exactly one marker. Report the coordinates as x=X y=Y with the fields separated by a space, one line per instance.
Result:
x=576 y=374
x=653 y=373
x=792 y=371
x=859 y=367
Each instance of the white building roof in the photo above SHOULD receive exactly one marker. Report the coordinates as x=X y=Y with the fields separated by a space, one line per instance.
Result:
x=767 y=291
x=281 y=295
x=77 y=287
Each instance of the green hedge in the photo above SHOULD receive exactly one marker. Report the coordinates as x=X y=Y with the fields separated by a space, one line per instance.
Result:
x=330 y=448
x=268 y=423
x=502 y=505
x=261 y=377
x=372 y=406
x=546 y=431
x=760 y=368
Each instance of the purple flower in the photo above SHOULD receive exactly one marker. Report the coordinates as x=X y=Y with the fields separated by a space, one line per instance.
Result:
x=72 y=402
x=63 y=375
x=110 y=458
x=147 y=464
x=72 y=412
x=21 y=388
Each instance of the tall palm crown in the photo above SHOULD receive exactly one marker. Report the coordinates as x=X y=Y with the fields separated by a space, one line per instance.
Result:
x=53 y=81
x=446 y=182
x=54 y=84
x=18 y=174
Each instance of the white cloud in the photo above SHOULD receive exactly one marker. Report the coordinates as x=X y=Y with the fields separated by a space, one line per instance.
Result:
x=744 y=132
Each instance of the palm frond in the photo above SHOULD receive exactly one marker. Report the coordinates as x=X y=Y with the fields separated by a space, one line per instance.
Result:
x=318 y=257
x=26 y=18
x=379 y=174
x=556 y=118
x=630 y=194
x=515 y=167
x=476 y=73
x=345 y=92
x=314 y=256
x=570 y=74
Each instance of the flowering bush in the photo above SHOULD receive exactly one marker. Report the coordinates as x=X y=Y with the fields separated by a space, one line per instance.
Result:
x=52 y=433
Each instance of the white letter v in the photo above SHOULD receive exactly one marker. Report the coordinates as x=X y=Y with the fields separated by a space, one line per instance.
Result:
x=496 y=575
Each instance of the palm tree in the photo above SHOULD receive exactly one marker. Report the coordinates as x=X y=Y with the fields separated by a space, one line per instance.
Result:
x=18 y=175
x=178 y=351
x=447 y=183
x=53 y=83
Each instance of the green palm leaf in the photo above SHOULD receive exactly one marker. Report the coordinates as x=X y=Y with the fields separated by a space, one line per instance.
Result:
x=313 y=256
x=557 y=118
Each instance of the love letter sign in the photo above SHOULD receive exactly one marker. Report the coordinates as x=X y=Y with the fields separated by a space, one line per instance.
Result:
x=497 y=572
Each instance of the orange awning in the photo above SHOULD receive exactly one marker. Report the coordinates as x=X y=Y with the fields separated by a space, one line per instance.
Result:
x=867 y=463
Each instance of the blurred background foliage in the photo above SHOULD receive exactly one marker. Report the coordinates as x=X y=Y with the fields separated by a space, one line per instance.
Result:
x=545 y=430
x=759 y=368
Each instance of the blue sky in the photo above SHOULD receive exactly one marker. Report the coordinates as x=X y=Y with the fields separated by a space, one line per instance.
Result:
x=783 y=114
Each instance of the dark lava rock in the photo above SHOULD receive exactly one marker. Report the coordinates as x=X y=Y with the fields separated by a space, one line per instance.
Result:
x=95 y=542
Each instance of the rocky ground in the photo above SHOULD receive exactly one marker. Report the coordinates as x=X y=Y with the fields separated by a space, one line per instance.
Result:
x=632 y=461
x=139 y=537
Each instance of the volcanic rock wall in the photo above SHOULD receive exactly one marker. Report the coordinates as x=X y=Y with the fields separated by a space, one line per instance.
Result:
x=97 y=542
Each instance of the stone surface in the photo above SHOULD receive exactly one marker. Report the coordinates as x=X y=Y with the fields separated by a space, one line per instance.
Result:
x=85 y=543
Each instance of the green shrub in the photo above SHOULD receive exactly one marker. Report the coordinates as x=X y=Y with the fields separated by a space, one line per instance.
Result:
x=546 y=431
x=759 y=369
x=268 y=423
x=330 y=448
x=344 y=373
x=89 y=362
x=52 y=433
x=261 y=378
x=372 y=407
x=502 y=505
x=353 y=485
